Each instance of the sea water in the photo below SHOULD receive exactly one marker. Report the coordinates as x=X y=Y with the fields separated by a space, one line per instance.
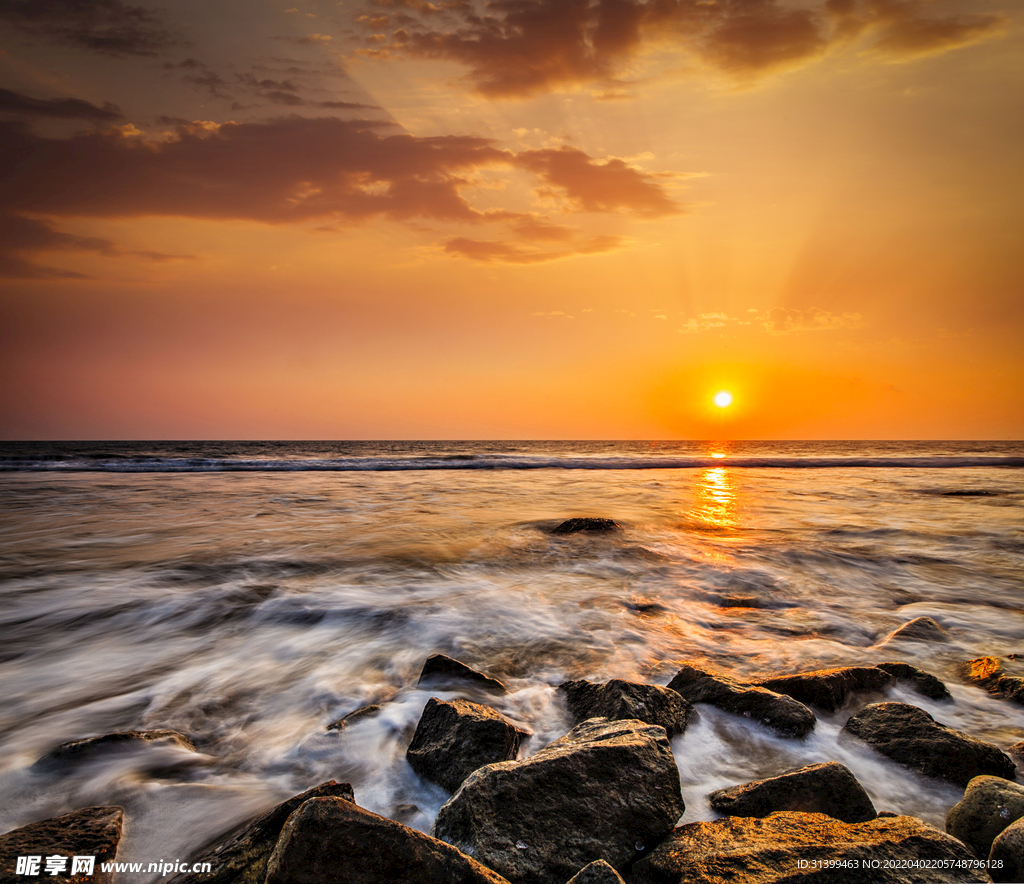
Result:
x=249 y=594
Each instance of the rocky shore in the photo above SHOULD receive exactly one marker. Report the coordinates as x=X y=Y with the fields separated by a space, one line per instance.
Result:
x=602 y=804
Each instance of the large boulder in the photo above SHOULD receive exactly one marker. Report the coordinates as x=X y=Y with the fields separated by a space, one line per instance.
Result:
x=781 y=713
x=828 y=689
x=911 y=737
x=830 y=788
x=989 y=805
x=588 y=524
x=241 y=857
x=90 y=832
x=620 y=700
x=440 y=670
x=807 y=848
x=597 y=872
x=454 y=738
x=334 y=841
x=923 y=682
x=920 y=629
x=606 y=790
x=1006 y=859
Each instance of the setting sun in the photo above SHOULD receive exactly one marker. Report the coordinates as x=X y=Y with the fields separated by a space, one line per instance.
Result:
x=723 y=399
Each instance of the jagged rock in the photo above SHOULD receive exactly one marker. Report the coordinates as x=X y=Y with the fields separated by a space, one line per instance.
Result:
x=989 y=805
x=588 y=524
x=781 y=713
x=92 y=831
x=1006 y=859
x=828 y=689
x=989 y=673
x=357 y=715
x=809 y=848
x=241 y=857
x=920 y=629
x=598 y=872
x=619 y=700
x=453 y=739
x=76 y=751
x=606 y=790
x=333 y=841
x=911 y=737
x=923 y=682
x=1017 y=749
x=830 y=788
x=440 y=669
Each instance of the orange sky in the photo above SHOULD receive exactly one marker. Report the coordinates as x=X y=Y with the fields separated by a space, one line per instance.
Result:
x=519 y=219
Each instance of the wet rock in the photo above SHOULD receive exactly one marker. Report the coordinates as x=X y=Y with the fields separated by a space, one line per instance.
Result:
x=92 y=831
x=606 y=790
x=76 y=751
x=333 y=841
x=619 y=700
x=440 y=669
x=781 y=713
x=357 y=715
x=1017 y=749
x=989 y=805
x=241 y=857
x=828 y=689
x=923 y=682
x=1006 y=859
x=809 y=848
x=598 y=872
x=989 y=673
x=453 y=739
x=920 y=629
x=588 y=524
x=911 y=737
x=830 y=788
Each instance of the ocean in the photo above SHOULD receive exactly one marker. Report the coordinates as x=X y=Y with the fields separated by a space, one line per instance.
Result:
x=247 y=594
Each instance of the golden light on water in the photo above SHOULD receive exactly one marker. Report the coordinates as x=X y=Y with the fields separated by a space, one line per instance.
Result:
x=715 y=503
x=723 y=399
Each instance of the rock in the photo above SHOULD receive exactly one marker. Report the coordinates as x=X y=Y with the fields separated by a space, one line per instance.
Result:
x=1017 y=749
x=358 y=715
x=588 y=524
x=598 y=872
x=988 y=672
x=453 y=739
x=920 y=629
x=91 y=748
x=828 y=689
x=911 y=737
x=809 y=848
x=90 y=832
x=830 y=788
x=989 y=805
x=1006 y=859
x=606 y=790
x=923 y=682
x=619 y=700
x=440 y=669
x=780 y=713
x=241 y=857
x=333 y=841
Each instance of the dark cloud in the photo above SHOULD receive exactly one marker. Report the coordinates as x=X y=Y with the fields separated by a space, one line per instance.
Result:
x=516 y=48
x=489 y=251
x=109 y=27
x=58 y=108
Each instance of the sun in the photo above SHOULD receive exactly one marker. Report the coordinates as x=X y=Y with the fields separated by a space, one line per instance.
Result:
x=723 y=399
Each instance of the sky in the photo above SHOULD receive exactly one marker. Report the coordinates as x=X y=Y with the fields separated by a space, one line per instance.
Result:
x=518 y=219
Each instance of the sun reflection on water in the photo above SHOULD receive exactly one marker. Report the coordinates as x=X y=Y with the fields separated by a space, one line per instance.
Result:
x=715 y=498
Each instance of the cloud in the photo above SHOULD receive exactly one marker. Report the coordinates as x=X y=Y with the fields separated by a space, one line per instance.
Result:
x=518 y=48
x=489 y=251
x=58 y=108
x=109 y=27
x=777 y=321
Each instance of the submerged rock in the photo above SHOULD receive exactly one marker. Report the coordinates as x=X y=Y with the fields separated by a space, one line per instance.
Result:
x=606 y=790
x=923 y=682
x=598 y=872
x=830 y=788
x=779 y=712
x=920 y=629
x=92 y=748
x=1006 y=859
x=988 y=672
x=911 y=737
x=241 y=857
x=588 y=524
x=828 y=689
x=809 y=848
x=621 y=700
x=989 y=805
x=453 y=739
x=333 y=841
x=441 y=669
x=357 y=715
x=92 y=831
